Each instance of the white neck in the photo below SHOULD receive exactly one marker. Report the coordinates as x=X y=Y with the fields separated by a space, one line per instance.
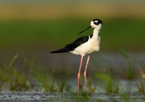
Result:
x=96 y=31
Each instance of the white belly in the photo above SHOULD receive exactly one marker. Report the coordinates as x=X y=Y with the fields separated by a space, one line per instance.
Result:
x=90 y=46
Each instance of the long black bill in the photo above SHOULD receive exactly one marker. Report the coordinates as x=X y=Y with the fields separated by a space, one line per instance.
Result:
x=84 y=30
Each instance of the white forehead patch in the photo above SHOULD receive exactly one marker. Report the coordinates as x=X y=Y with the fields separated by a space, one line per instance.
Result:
x=92 y=24
x=96 y=21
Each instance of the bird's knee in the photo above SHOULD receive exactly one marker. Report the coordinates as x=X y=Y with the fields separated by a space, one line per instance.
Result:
x=78 y=75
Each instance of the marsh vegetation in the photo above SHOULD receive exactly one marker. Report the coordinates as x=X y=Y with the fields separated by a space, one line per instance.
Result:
x=28 y=32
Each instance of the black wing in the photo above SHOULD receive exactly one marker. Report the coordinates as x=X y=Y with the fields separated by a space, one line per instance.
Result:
x=72 y=46
x=77 y=43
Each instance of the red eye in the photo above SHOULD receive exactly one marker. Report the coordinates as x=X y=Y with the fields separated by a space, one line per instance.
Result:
x=96 y=23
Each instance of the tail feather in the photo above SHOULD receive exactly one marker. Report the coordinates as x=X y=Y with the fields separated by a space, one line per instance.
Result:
x=63 y=50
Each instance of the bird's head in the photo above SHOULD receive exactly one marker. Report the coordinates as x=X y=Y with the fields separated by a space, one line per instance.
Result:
x=95 y=23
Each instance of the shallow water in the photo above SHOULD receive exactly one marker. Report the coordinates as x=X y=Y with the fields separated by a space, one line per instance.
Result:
x=127 y=91
x=64 y=97
x=99 y=61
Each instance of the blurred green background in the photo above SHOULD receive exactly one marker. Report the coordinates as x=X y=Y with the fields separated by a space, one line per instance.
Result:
x=52 y=24
x=30 y=29
x=34 y=28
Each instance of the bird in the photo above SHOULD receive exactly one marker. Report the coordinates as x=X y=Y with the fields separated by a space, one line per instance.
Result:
x=84 y=46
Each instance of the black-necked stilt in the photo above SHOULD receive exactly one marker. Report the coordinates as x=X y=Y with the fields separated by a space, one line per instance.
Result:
x=85 y=46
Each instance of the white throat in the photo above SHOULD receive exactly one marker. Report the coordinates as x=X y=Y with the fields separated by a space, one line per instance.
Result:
x=96 y=31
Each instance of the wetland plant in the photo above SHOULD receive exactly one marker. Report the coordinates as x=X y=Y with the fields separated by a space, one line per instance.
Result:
x=44 y=80
x=140 y=85
x=130 y=75
x=140 y=82
x=111 y=86
x=12 y=78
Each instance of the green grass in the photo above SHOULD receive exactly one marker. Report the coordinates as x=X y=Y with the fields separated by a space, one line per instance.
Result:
x=31 y=77
x=116 y=34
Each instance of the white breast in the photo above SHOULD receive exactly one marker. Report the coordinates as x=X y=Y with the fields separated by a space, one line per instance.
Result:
x=90 y=46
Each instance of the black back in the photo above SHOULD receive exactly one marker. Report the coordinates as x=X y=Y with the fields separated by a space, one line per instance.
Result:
x=75 y=44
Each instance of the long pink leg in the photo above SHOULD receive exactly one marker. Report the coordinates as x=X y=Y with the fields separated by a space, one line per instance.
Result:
x=79 y=72
x=86 y=84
